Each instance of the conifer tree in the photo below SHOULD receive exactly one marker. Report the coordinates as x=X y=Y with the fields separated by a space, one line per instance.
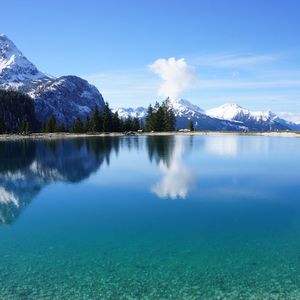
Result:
x=116 y=122
x=44 y=127
x=172 y=120
x=86 y=124
x=96 y=121
x=24 y=127
x=107 y=118
x=77 y=126
x=150 y=119
x=191 y=125
x=161 y=118
x=51 y=125
x=135 y=124
x=14 y=108
x=2 y=126
x=128 y=124
x=60 y=128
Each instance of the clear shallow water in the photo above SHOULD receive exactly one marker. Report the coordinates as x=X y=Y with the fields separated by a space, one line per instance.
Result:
x=203 y=217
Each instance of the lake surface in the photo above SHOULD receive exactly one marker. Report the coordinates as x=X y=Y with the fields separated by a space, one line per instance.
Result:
x=185 y=217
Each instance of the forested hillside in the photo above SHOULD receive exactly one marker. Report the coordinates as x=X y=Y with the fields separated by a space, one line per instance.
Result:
x=16 y=113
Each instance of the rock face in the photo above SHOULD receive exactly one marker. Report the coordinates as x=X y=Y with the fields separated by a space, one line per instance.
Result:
x=66 y=97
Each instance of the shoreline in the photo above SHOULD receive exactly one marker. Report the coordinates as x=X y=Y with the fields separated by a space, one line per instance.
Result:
x=61 y=135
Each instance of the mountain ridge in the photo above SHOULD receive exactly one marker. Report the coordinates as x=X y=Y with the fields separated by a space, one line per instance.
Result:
x=69 y=97
x=229 y=116
x=65 y=98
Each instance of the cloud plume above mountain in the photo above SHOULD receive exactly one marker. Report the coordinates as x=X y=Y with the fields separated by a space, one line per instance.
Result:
x=177 y=76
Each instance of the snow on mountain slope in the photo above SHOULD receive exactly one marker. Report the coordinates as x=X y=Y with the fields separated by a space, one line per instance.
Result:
x=124 y=113
x=183 y=107
x=231 y=111
x=254 y=120
x=230 y=117
x=69 y=97
x=66 y=97
x=184 y=112
x=14 y=66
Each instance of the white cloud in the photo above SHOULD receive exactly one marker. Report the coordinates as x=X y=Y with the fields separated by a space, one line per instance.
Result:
x=177 y=76
x=251 y=80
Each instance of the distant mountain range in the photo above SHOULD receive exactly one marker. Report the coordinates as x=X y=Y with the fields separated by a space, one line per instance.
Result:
x=69 y=97
x=226 y=117
x=66 y=97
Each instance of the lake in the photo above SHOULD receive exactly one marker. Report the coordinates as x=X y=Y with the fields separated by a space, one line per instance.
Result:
x=149 y=217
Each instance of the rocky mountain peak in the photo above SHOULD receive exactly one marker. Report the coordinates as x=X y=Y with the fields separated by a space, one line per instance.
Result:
x=14 y=66
x=66 y=97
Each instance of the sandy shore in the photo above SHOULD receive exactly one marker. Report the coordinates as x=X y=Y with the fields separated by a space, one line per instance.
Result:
x=37 y=136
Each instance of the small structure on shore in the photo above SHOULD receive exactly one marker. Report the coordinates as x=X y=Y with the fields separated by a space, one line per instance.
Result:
x=184 y=130
x=130 y=133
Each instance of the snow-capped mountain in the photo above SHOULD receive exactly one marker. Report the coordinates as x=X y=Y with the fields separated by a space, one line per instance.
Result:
x=253 y=120
x=231 y=117
x=124 y=113
x=185 y=111
x=183 y=107
x=14 y=66
x=66 y=97
x=69 y=97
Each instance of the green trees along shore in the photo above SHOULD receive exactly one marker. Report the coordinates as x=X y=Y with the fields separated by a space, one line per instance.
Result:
x=17 y=115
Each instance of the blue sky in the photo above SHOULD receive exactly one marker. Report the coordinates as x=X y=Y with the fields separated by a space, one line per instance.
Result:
x=241 y=51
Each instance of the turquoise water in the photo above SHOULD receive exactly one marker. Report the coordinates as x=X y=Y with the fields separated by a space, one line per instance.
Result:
x=185 y=217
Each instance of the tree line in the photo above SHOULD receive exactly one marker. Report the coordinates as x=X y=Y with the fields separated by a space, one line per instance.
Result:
x=159 y=118
x=99 y=121
x=17 y=115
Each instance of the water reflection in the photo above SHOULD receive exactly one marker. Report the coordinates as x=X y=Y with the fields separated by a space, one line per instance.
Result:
x=232 y=145
x=27 y=166
x=177 y=177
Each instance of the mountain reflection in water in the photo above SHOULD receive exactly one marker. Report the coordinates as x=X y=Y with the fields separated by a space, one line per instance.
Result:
x=27 y=166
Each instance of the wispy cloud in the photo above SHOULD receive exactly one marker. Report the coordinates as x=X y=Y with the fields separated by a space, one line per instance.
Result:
x=231 y=60
x=125 y=87
x=246 y=84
